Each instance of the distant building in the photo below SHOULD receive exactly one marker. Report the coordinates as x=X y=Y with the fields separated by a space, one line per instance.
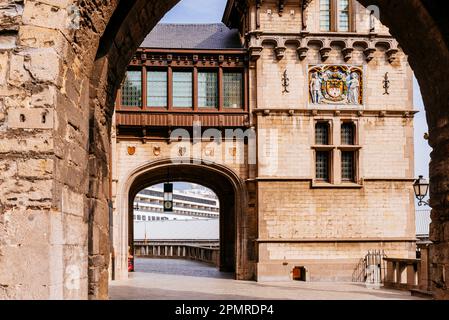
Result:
x=187 y=205
x=172 y=231
x=422 y=225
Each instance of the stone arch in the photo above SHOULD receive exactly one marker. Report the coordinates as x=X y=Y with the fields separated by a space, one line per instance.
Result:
x=433 y=34
x=226 y=184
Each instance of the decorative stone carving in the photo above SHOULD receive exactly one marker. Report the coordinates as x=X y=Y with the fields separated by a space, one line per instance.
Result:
x=255 y=53
x=347 y=53
x=302 y=52
x=324 y=52
x=391 y=54
x=280 y=52
x=336 y=84
x=156 y=150
x=131 y=150
x=369 y=53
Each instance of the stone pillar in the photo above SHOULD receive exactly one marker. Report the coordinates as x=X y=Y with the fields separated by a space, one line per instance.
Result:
x=439 y=193
x=43 y=157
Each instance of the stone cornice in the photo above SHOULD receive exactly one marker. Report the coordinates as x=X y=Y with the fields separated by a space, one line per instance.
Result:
x=347 y=41
x=341 y=112
x=308 y=240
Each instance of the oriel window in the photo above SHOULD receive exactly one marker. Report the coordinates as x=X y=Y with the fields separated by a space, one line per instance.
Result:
x=182 y=89
x=233 y=89
x=157 y=88
x=207 y=90
x=132 y=89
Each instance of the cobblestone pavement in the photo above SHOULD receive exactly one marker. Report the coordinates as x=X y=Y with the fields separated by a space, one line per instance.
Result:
x=167 y=279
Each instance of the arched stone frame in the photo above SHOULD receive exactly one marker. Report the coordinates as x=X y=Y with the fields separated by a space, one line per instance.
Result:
x=219 y=178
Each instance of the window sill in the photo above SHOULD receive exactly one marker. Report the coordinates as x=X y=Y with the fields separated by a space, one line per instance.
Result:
x=322 y=147
x=350 y=147
x=328 y=185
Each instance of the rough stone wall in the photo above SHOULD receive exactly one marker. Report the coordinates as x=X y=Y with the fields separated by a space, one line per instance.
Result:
x=54 y=125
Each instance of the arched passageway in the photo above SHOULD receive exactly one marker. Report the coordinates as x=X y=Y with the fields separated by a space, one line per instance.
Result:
x=73 y=75
x=229 y=188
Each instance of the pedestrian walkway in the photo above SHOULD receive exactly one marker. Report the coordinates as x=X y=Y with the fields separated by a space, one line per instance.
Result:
x=168 y=279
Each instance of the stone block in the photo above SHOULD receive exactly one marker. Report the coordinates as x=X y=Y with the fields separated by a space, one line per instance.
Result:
x=36 y=118
x=35 y=168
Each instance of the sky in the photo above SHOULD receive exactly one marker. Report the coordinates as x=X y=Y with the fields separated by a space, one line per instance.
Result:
x=196 y=11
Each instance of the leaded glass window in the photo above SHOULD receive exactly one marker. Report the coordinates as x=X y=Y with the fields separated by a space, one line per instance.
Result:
x=325 y=15
x=343 y=15
x=322 y=165
x=347 y=165
x=208 y=89
x=182 y=89
x=322 y=133
x=347 y=133
x=157 y=88
x=132 y=89
x=233 y=90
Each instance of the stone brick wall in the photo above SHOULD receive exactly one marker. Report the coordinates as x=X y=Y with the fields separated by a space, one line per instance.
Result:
x=329 y=229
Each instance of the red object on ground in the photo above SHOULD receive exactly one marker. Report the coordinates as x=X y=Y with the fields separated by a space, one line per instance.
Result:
x=130 y=265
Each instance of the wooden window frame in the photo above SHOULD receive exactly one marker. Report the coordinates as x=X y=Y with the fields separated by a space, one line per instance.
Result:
x=119 y=92
x=170 y=68
x=145 y=92
x=196 y=88
x=244 y=88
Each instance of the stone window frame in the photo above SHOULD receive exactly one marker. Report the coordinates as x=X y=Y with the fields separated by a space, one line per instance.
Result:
x=335 y=149
x=324 y=148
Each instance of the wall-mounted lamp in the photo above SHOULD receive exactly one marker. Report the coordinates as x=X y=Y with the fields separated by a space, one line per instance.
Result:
x=421 y=187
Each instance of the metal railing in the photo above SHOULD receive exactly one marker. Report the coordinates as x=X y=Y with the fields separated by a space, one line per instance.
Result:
x=371 y=269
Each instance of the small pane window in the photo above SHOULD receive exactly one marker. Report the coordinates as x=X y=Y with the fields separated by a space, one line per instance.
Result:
x=144 y=218
x=347 y=133
x=347 y=166
x=325 y=15
x=343 y=15
x=182 y=89
x=139 y=217
x=132 y=89
x=157 y=88
x=208 y=89
x=233 y=90
x=322 y=165
x=322 y=133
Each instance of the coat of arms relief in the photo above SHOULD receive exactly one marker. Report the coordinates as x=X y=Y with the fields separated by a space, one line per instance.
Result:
x=336 y=84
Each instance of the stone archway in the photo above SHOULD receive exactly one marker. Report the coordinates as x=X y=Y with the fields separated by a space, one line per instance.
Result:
x=226 y=184
x=71 y=77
